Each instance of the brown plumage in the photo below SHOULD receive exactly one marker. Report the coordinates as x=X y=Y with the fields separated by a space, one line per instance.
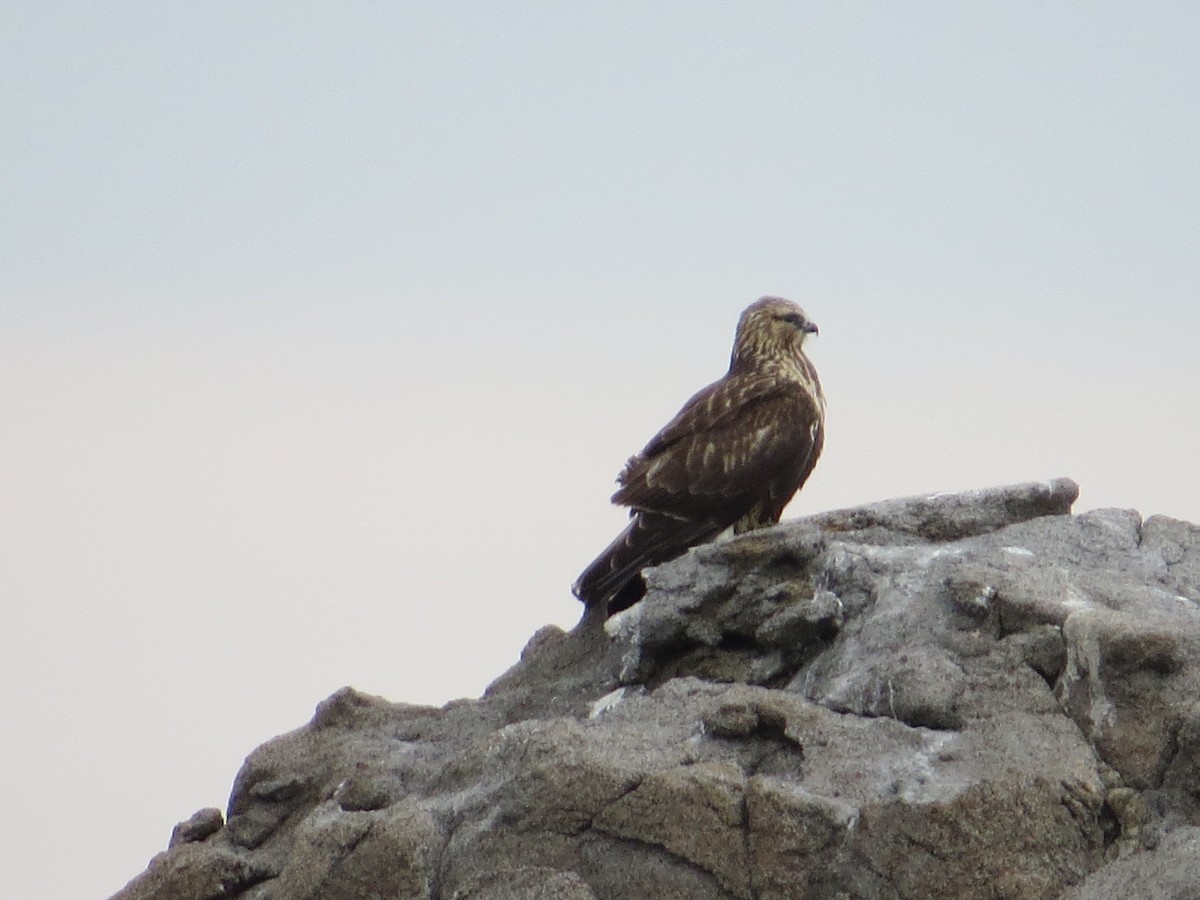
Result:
x=732 y=457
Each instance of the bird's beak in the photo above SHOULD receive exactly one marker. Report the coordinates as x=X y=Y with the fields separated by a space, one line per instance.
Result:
x=810 y=328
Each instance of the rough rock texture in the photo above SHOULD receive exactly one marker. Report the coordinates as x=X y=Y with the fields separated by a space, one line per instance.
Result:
x=958 y=696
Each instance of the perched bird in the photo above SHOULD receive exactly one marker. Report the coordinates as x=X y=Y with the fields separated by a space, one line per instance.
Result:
x=732 y=457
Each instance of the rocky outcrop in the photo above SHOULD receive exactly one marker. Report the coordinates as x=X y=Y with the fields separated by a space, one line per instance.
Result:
x=957 y=696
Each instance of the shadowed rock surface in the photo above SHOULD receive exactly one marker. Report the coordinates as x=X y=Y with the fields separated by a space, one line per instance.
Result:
x=961 y=696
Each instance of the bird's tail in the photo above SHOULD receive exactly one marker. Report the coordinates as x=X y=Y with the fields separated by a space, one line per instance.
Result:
x=613 y=581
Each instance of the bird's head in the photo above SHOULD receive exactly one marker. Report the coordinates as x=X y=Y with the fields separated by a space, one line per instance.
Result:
x=770 y=327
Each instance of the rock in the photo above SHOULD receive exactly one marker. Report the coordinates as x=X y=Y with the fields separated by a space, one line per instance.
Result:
x=694 y=811
x=1171 y=872
x=189 y=871
x=201 y=826
x=529 y=883
x=959 y=696
x=355 y=855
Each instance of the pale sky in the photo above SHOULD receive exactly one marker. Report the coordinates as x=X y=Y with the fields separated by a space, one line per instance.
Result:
x=325 y=328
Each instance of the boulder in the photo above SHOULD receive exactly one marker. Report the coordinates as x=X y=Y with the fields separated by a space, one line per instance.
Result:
x=974 y=695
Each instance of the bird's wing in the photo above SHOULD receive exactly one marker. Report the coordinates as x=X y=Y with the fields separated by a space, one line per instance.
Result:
x=648 y=540
x=728 y=440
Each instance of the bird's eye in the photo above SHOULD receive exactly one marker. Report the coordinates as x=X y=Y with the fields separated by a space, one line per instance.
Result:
x=792 y=319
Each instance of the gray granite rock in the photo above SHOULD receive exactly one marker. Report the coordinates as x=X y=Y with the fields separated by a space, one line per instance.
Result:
x=959 y=696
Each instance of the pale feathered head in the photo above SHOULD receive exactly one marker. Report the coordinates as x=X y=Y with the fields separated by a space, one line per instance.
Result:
x=770 y=328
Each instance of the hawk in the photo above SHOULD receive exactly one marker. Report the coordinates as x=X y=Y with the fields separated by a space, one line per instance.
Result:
x=731 y=458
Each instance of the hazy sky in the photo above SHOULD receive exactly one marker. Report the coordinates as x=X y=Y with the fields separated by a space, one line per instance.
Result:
x=325 y=328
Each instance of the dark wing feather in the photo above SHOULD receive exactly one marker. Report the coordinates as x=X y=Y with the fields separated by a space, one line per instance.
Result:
x=727 y=445
x=768 y=505
x=734 y=455
x=647 y=540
